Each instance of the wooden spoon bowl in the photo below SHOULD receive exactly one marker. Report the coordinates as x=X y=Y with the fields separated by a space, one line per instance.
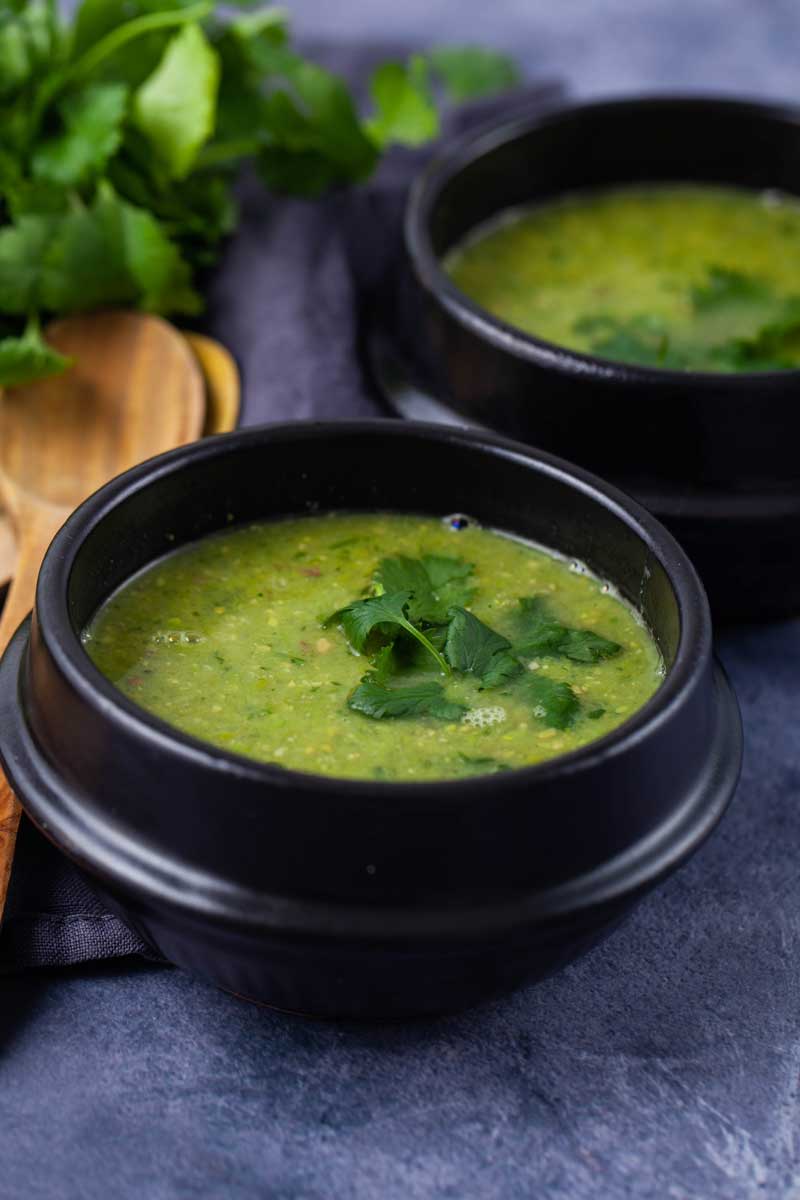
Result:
x=223 y=402
x=135 y=391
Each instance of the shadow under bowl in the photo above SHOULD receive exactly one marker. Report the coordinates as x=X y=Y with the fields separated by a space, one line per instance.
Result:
x=362 y=898
x=711 y=454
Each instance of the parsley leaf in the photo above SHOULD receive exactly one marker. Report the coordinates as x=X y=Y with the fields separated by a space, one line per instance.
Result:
x=26 y=269
x=475 y=649
x=450 y=580
x=92 y=134
x=471 y=71
x=724 y=288
x=28 y=357
x=405 y=111
x=436 y=584
x=311 y=137
x=483 y=763
x=544 y=634
x=554 y=703
x=108 y=253
x=374 y=699
x=403 y=93
x=124 y=128
x=641 y=339
x=175 y=107
x=739 y=323
x=385 y=663
x=381 y=613
x=409 y=655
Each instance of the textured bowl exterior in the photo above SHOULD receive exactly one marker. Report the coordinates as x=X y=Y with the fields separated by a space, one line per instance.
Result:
x=362 y=898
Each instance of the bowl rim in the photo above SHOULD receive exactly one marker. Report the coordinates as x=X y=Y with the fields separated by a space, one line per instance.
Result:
x=463 y=150
x=96 y=691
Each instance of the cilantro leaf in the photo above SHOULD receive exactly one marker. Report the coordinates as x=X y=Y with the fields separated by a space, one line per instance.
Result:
x=374 y=699
x=108 y=253
x=402 y=93
x=739 y=323
x=483 y=763
x=405 y=111
x=404 y=574
x=28 y=357
x=450 y=581
x=312 y=137
x=724 y=288
x=175 y=107
x=385 y=663
x=436 y=584
x=641 y=339
x=160 y=272
x=471 y=71
x=411 y=656
x=475 y=649
x=582 y=645
x=766 y=350
x=27 y=273
x=554 y=703
x=544 y=634
x=92 y=134
x=381 y=613
x=29 y=38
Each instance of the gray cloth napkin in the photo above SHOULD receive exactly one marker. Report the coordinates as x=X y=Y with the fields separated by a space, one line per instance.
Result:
x=284 y=301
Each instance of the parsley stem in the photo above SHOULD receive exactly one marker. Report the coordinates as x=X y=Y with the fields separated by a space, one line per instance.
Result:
x=444 y=665
x=108 y=45
x=218 y=154
x=147 y=23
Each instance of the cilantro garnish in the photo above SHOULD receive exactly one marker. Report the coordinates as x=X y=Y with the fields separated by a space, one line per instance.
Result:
x=475 y=649
x=435 y=584
x=739 y=323
x=29 y=357
x=643 y=339
x=470 y=71
x=416 y=622
x=385 y=662
x=554 y=703
x=544 y=635
x=724 y=288
x=483 y=762
x=381 y=613
x=123 y=131
x=375 y=699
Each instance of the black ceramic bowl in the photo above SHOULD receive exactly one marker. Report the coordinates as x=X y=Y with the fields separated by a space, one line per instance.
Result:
x=712 y=455
x=345 y=898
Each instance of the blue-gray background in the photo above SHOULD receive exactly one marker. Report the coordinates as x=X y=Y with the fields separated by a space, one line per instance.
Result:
x=666 y=1064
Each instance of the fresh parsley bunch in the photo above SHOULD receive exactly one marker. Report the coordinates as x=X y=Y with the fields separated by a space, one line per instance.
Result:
x=121 y=134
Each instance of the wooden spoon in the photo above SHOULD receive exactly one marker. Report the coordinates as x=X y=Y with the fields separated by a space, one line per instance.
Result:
x=8 y=549
x=223 y=397
x=135 y=391
x=223 y=388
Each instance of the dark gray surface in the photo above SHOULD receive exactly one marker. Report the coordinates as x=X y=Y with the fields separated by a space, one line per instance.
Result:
x=665 y=1064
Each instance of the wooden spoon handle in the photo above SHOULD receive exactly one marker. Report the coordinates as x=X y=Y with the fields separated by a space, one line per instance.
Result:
x=41 y=523
x=9 y=824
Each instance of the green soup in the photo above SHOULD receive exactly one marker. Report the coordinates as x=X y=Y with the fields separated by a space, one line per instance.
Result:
x=678 y=276
x=232 y=639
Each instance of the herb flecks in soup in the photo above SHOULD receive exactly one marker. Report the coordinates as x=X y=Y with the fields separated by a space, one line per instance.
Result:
x=377 y=646
x=677 y=276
